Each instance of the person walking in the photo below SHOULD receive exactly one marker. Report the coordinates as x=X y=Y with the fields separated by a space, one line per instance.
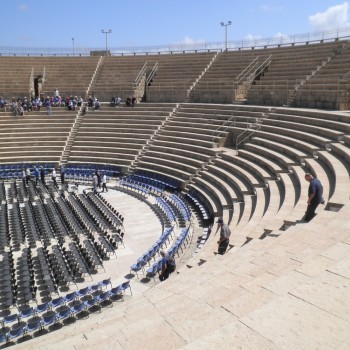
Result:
x=224 y=239
x=315 y=196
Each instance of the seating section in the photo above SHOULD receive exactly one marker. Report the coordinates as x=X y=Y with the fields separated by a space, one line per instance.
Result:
x=329 y=89
x=34 y=137
x=70 y=75
x=289 y=69
x=175 y=75
x=116 y=136
x=246 y=164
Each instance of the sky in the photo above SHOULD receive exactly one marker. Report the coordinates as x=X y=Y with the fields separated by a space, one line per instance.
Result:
x=142 y=23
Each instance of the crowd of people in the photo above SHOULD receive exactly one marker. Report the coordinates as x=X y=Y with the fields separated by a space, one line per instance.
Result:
x=21 y=105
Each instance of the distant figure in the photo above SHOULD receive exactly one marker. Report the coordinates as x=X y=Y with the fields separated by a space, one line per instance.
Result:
x=42 y=175
x=133 y=101
x=104 y=183
x=27 y=176
x=24 y=177
x=36 y=174
x=62 y=174
x=224 y=239
x=168 y=266
x=94 y=183
x=53 y=177
x=97 y=105
x=56 y=93
x=315 y=196
x=98 y=174
x=128 y=102
x=90 y=101
x=117 y=101
x=48 y=105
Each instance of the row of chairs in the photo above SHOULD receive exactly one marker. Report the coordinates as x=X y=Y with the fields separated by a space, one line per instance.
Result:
x=182 y=205
x=158 y=187
x=153 y=251
x=73 y=306
x=166 y=208
x=159 y=179
x=200 y=203
x=181 y=241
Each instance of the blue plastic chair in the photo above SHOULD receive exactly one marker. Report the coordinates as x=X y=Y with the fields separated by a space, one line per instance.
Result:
x=105 y=283
x=32 y=326
x=15 y=333
x=41 y=308
x=124 y=286
x=63 y=314
x=83 y=292
x=70 y=297
x=9 y=319
x=48 y=320
x=92 y=304
x=25 y=313
x=54 y=303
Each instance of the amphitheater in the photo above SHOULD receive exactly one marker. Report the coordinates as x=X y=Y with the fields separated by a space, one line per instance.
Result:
x=214 y=134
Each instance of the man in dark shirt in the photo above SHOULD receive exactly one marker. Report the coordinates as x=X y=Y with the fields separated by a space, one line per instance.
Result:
x=224 y=239
x=315 y=196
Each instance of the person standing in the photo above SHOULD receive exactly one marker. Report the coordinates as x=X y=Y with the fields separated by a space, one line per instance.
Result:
x=53 y=176
x=62 y=174
x=24 y=177
x=224 y=239
x=104 y=182
x=42 y=175
x=27 y=176
x=94 y=183
x=48 y=105
x=315 y=196
x=36 y=174
x=168 y=266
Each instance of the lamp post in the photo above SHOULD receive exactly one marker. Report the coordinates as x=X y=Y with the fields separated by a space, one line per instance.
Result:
x=109 y=31
x=226 y=25
x=73 y=45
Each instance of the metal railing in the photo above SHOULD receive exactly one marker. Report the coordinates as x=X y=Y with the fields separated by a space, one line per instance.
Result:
x=252 y=128
x=223 y=127
x=282 y=40
x=141 y=73
x=260 y=69
x=152 y=73
x=246 y=71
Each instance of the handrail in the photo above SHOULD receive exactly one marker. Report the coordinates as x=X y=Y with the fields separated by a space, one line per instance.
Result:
x=31 y=82
x=142 y=71
x=43 y=79
x=239 y=78
x=250 y=126
x=262 y=66
x=222 y=125
x=152 y=73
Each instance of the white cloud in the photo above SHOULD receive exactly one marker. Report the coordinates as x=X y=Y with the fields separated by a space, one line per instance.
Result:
x=23 y=8
x=189 y=41
x=333 y=18
x=251 y=37
x=269 y=8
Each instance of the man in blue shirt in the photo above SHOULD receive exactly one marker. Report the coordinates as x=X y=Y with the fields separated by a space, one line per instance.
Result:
x=315 y=196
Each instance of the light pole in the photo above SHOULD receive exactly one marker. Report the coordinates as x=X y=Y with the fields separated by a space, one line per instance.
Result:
x=73 y=45
x=226 y=25
x=109 y=31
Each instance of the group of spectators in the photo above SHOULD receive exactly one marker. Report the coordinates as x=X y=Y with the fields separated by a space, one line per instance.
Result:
x=129 y=102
